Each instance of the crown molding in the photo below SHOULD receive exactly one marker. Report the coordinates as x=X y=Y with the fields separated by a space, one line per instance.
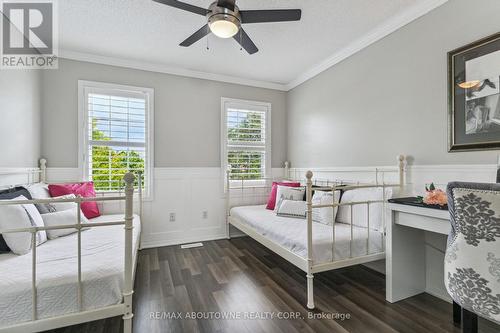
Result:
x=159 y=68
x=375 y=35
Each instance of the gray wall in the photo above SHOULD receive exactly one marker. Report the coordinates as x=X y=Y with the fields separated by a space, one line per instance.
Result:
x=390 y=98
x=20 y=100
x=187 y=114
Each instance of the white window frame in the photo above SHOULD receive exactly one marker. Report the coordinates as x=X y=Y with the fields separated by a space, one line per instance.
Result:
x=111 y=88
x=249 y=105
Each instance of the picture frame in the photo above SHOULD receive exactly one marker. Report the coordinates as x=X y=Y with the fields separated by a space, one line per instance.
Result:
x=474 y=96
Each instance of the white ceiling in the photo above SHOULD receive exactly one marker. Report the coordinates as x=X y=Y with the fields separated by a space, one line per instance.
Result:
x=147 y=32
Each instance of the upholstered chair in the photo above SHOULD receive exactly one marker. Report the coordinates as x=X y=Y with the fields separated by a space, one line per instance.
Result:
x=472 y=260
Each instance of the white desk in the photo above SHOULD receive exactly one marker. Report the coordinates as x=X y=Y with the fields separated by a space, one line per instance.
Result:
x=406 y=252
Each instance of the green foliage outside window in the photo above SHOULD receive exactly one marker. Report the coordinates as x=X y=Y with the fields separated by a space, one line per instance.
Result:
x=110 y=165
x=247 y=165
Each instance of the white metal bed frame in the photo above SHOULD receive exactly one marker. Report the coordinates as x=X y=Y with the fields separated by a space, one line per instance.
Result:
x=125 y=307
x=308 y=264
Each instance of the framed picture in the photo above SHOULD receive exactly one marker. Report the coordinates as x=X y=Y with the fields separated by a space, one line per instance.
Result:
x=473 y=96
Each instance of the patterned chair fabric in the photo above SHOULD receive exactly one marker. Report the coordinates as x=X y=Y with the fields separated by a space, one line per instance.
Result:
x=472 y=260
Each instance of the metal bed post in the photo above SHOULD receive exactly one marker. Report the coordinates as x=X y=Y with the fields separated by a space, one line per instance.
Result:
x=228 y=193
x=129 y=217
x=351 y=225
x=139 y=190
x=34 y=294
x=368 y=227
x=310 y=276
x=43 y=170
x=79 y=230
x=287 y=170
x=334 y=188
x=401 y=169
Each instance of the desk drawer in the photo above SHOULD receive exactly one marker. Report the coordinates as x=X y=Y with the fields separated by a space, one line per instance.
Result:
x=422 y=222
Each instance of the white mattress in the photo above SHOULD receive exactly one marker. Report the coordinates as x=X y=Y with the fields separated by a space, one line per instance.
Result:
x=102 y=273
x=291 y=233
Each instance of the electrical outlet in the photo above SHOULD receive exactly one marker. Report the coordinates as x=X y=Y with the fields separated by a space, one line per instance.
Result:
x=205 y=214
x=172 y=217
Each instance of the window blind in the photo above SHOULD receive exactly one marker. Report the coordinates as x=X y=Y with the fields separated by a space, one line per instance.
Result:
x=116 y=138
x=246 y=143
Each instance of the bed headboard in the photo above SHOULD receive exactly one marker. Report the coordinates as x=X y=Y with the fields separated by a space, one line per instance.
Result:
x=246 y=192
x=352 y=175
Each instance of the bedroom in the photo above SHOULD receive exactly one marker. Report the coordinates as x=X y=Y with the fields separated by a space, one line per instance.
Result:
x=356 y=92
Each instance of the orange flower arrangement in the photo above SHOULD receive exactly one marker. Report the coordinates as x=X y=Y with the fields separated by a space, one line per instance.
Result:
x=434 y=196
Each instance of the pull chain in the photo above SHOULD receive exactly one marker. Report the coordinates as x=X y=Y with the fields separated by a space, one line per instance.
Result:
x=241 y=40
x=208 y=37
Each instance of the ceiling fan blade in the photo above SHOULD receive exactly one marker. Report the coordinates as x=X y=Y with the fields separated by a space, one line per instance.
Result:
x=273 y=15
x=229 y=4
x=184 y=6
x=244 y=40
x=202 y=32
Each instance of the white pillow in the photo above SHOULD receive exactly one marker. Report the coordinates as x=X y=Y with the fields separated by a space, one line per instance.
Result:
x=292 y=208
x=325 y=215
x=40 y=191
x=21 y=216
x=289 y=193
x=360 y=217
x=62 y=206
x=65 y=217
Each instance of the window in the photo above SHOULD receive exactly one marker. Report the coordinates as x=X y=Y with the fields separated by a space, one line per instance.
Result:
x=116 y=134
x=246 y=139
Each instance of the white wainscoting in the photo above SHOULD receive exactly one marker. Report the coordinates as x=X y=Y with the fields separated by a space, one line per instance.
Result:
x=185 y=192
x=12 y=176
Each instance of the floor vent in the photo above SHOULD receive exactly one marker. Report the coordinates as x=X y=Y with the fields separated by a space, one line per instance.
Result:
x=189 y=246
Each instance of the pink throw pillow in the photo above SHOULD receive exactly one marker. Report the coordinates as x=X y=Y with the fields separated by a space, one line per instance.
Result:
x=84 y=189
x=271 y=201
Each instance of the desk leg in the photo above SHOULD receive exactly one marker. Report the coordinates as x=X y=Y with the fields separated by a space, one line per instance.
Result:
x=405 y=260
x=457 y=314
x=469 y=322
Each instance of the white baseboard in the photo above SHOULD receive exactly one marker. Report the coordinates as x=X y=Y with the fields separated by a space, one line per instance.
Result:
x=145 y=244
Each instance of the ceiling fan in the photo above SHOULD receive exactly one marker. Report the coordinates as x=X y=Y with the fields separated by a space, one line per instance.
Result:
x=225 y=20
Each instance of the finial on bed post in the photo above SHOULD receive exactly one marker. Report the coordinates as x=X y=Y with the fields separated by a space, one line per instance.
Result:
x=287 y=170
x=43 y=170
x=401 y=168
x=309 y=275
x=129 y=179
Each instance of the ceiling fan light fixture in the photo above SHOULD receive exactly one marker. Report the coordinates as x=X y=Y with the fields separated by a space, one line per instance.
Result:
x=225 y=19
x=224 y=26
x=469 y=84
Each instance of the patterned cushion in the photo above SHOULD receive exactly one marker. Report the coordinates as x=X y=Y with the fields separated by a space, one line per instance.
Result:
x=291 y=208
x=289 y=193
x=472 y=261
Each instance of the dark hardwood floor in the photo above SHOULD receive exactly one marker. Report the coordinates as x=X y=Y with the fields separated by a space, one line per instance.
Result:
x=242 y=278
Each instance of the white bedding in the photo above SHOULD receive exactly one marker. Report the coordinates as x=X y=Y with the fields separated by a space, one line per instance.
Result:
x=291 y=233
x=102 y=273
